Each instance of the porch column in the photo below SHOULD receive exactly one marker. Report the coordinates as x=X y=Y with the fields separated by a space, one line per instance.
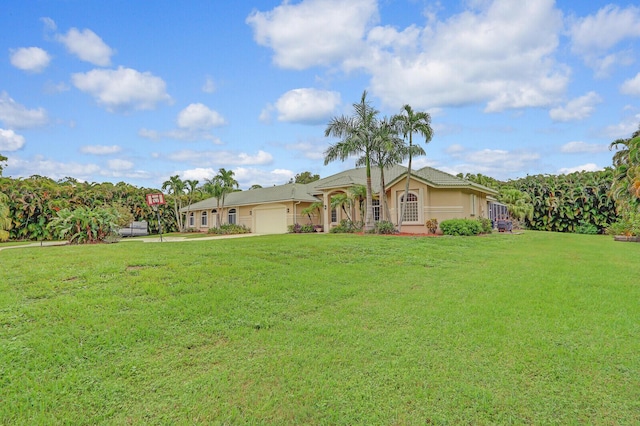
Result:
x=326 y=211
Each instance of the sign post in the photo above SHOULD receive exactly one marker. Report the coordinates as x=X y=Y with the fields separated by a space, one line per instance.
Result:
x=153 y=201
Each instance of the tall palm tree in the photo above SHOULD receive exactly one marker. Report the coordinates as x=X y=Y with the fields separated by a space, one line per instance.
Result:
x=175 y=187
x=626 y=163
x=192 y=189
x=389 y=150
x=356 y=138
x=227 y=183
x=213 y=188
x=219 y=186
x=411 y=122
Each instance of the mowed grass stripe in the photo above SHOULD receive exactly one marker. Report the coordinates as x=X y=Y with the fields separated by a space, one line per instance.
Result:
x=340 y=329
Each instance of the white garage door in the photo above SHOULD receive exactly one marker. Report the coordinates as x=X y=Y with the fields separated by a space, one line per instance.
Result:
x=271 y=221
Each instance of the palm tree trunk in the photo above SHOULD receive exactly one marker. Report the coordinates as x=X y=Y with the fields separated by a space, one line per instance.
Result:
x=368 y=222
x=406 y=189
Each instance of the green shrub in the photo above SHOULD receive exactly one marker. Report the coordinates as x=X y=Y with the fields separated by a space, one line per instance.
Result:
x=486 y=225
x=229 y=229
x=300 y=229
x=461 y=227
x=384 y=227
x=586 y=228
x=347 y=227
x=85 y=226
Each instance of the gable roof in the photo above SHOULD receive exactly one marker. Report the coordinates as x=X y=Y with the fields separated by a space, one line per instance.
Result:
x=358 y=176
x=308 y=192
x=440 y=179
x=272 y=194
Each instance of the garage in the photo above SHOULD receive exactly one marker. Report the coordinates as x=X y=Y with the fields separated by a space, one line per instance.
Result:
x=271 y=220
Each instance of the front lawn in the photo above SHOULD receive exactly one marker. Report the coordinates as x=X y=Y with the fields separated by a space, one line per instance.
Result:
x=323 y=329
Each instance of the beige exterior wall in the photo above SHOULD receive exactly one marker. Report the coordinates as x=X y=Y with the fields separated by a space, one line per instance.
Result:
x=244 y=215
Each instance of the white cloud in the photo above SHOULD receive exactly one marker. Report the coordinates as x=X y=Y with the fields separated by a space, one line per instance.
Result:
x=199 y=117
x=209 y=85
x=179 y=134
x=119 y=164
x=313 y=32
x=631 y=86
x=589 y=167
x=100 y=149
x=53 y=169
x=87 y=46
x=500 y=53
x=52 y=88
x=313 y=150
x=49 y=24
x=602 y=31
x=579 y=147
x=221 y=158
x=17 y=116
x=593 y=36
x=266 y=114
x=576 y=109
x=498 y=163
x=624 y=129
x=199 y=173
x=31 y=59
x=122 y=89
x=308 y=106
x=246 y=176
x=252 y=176
x=10 y=141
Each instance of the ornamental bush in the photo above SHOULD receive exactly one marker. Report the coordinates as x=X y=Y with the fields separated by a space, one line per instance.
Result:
x=384 y=227
x=347 y=227
x=461 y=227
x=486 y=225
x=229 y=229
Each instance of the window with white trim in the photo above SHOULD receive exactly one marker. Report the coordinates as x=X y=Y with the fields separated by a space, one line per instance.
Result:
x=474 y=206
x=334 y=215
x=204 y=219
x=411 y=208
x=231 y=217
x=192 y=219
x=375 y=205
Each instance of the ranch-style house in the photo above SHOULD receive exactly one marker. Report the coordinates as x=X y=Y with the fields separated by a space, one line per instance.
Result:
x=433 y=194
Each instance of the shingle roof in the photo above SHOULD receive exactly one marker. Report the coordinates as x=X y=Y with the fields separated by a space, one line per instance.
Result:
x=272 y=194
x=357 y=176
x=345 y=179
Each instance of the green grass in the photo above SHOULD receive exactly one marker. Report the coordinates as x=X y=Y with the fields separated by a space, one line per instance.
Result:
x=537 y=328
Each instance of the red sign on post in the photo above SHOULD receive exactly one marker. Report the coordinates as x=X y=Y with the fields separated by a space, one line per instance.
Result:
x=155 y=199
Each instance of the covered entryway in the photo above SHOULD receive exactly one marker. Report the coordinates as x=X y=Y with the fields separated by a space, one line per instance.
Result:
x=270 y=220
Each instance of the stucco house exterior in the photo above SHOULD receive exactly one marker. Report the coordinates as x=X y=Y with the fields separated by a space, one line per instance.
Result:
x=433 y=194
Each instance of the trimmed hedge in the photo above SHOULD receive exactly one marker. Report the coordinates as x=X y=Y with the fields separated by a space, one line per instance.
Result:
x=462 y=227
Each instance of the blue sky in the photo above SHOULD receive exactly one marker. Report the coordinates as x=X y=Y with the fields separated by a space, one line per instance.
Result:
x=138 y=91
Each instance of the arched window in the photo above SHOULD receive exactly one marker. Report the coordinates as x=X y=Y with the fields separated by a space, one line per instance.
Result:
x=232 y=217
x=411 y=209
x=192 y=219
x=204 y=219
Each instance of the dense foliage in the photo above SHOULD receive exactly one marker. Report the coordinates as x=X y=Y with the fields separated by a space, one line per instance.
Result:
x=84 y=225
x=564 y=202
x=35 y=201
x=625 y=189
